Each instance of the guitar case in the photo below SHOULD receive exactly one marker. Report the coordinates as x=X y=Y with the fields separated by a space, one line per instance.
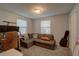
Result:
x=64 y=40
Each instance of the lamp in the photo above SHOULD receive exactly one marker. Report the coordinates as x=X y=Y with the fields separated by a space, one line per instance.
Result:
x=37 y=11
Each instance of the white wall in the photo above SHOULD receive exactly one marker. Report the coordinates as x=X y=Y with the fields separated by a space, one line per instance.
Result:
x=74 y=27
x=12 y=17
x=77 y=6
x=59 y=24
x=5 y=15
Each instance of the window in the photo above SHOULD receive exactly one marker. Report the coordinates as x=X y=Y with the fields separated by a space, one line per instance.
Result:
x=22 y=26
x=45 y=27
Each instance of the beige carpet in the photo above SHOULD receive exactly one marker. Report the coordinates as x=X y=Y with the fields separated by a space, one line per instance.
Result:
x=39 y=51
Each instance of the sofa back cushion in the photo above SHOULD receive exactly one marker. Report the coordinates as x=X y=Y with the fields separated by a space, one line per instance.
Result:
x=50 y=36
x=40 y=36
x=35 y=35
x=30 y=35
x=26 y=36
x=45 y=38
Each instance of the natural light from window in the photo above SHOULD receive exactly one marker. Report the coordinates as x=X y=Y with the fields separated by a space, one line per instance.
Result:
x=45 y=27
x=22 y=26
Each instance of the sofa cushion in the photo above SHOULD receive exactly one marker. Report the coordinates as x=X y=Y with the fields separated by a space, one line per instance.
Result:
x=27 y=41
x=46 y=42
x=45 y=38
x=50 y=36
x=30 y=35
x=26 y=36
x=35 y=35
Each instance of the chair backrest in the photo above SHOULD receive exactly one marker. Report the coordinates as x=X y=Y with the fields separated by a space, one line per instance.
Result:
x=11 y=40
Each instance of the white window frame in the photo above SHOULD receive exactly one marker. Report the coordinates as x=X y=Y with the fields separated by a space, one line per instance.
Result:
x=21 y=27
x=45 y=27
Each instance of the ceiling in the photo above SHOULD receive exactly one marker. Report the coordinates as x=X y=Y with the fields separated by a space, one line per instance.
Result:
x=47 y=9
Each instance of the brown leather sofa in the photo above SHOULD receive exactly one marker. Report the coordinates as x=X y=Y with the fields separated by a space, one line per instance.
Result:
x=50 y=44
